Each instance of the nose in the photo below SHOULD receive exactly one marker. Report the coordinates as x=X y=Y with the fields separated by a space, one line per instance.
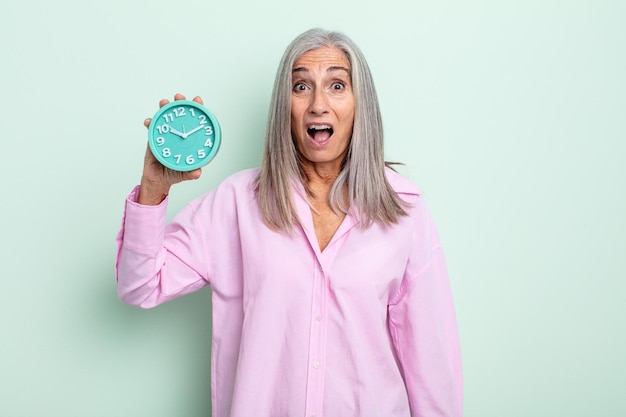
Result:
x=319 y=102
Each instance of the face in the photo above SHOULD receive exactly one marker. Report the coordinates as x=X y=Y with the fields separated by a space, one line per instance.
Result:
x=322 y=107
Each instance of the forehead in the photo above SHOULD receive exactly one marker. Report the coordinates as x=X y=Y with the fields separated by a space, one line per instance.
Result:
x=323 y=58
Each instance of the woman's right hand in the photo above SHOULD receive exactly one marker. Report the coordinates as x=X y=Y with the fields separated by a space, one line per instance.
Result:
x=157 y=179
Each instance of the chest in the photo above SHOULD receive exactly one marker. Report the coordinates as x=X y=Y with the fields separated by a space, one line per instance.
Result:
x=363 y=266
x=325 y=223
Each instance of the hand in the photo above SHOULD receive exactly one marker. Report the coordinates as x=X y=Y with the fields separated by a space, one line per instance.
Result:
x=157 y=179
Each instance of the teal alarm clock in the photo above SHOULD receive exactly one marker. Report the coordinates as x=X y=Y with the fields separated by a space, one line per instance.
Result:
x=184 y=135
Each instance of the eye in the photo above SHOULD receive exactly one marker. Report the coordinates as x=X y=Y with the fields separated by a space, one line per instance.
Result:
x=338 y=86
x=299 y=86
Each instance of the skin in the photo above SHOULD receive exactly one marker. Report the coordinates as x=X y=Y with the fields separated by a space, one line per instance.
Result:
x=321 y=96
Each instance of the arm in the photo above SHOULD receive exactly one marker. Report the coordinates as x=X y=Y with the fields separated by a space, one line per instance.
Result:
x=157 y=263
x=423 y=326
x=143 y=256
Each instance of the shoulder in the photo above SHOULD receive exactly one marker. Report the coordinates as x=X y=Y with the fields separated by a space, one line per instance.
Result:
x=239 y=183
x=400 y=183
x=234 y=189
x=241 y=180
x=408 y=191
x=419 y=219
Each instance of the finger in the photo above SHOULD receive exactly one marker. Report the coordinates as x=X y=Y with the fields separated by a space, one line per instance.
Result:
x=163 y=102
x=179 y=97
x=198 y=99
x=193 y=175
x=146 y=122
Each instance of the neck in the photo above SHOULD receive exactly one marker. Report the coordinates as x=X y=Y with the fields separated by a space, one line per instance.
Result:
x=320 y=176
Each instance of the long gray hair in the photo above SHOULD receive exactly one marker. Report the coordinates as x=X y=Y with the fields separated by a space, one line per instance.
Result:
x=369 y=195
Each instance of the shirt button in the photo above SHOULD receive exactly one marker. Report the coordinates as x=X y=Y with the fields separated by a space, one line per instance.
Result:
x=318 y=317
x=316 y=365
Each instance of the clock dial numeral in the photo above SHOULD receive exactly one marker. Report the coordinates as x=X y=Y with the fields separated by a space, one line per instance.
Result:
x=208 y=130
x=178 y=112
x=208 y=142
x=167 y=152
x=160 y=140
x=193 y=113
x=164 y=128
x=190 y=160
x=202 y=118
x=178 y=158
x=201 y=153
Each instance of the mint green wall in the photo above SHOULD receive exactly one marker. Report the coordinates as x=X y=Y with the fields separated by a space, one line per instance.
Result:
x=510 y=115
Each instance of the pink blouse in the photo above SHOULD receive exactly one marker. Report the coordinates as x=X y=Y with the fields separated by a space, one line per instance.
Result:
x=364 y=328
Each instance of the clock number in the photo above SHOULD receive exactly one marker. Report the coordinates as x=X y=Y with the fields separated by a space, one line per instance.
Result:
x=160 y=140
x=193 y=113
x=167 y=152
x=168 y=117
x=190 y=160
x=202 y=119
x=208 y=130
x=180 y=112
x=201 y=153
x=208 y=142
x=177 y=158
x=164 y=128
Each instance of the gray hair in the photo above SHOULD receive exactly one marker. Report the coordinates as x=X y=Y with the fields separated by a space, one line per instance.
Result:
x=363 y=171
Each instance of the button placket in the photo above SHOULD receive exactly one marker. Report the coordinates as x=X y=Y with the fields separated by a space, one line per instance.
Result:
x=315 y=382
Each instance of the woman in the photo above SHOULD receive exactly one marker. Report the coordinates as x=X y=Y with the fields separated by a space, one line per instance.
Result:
x=330 y=291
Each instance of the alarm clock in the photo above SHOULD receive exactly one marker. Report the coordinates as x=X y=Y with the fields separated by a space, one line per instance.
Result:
x=184 y=135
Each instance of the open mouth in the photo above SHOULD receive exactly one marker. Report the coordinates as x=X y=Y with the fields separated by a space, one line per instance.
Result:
x=320 y=133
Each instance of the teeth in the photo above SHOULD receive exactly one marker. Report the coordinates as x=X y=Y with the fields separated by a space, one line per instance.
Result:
x=320 y=127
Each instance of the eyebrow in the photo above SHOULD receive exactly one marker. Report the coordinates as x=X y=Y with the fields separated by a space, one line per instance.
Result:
x=333 y=68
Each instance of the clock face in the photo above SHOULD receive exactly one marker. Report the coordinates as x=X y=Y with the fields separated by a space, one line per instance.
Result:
x=184 y=135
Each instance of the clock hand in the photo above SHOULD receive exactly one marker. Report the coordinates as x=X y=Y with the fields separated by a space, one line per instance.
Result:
x=177 y=133
x=192 y=131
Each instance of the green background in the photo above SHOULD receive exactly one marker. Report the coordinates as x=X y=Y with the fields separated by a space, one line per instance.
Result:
x=509 y=115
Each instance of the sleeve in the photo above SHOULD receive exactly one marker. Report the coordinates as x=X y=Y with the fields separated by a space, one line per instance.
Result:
x=157 y=262
x=424 y=331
